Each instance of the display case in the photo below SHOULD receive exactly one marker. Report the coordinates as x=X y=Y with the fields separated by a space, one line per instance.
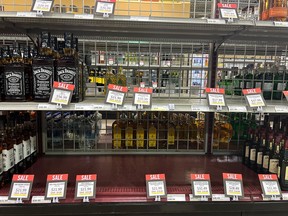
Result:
x=179 y=134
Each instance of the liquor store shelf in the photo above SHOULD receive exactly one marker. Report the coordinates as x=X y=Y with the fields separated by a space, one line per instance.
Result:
x=146 y=28
x=171 y=103
x=121 y=185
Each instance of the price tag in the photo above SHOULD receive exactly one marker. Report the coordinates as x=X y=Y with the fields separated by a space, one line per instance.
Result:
x=105 y=6
x=142 y=96
x=228 y=13
x=5 y=200
x=26 y=14
x=233 y=185
x=192 y=198
x=21 y=187
x=98 y=107
x=171 y=106
x=84 y=16
x=84 y=107
x=85 y=186
x=56 y=186
x=237 y=108
x=142 y=84
x=116 y=94
x=281 y=109
x=220 y=197
x=280 y=24
x=139 y=18
x=270 y=185
x=254 y=97
x=154 y=84
x=216 y=21
x=39 y=199
x=156 y=185
x=43 y=106
x=216 y=97
x=201 y=185
x=61 y=93
x=199 y=108
x=159 y=108
x=42 y=5
x=176 y=197
x=285 y=196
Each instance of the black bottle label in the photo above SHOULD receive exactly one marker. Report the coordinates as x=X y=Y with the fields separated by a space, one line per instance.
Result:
x=43 y=80
x=68 y=75
x=14 y=83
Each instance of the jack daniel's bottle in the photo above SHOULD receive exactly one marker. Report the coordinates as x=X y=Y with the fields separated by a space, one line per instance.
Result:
x=43 y=69
x=1 y=75
x=68 y=69
x=17 y=76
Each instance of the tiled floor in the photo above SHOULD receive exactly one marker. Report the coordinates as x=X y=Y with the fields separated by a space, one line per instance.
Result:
x=121 y=178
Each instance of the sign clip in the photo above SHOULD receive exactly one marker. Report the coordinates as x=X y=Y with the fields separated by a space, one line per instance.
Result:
x=19 y=200
x=235 y=198
x=55 y=200
x=85 y=199
x=157 y=198
x=58 y=106
x=204 y=198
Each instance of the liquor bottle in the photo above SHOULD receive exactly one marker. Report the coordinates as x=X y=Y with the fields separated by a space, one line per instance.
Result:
x=20 y=165
x=238 y=83
x=26 y=139
x=68 y=69
x=274 y=159
x=246 y=149
x=284 y=167
x=162 y=130
x=129 y=132
x=140 y=132
x=152 y=133
x=253 y=152
x=266 y=157
x=43 y=69
x=260 y=152
x=248 y=77
x=17 y=76
x=171 y=132
x=1 y=152
x=121 y=79
x=109 y=78
x=280 y=82
x=1 y=75
x=117 y=133
x=33 y=136
x=268 y=83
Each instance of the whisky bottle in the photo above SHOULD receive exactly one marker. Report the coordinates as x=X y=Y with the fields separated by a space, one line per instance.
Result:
x=20 y=165
x=171 y=132
x=280 y=83
x=8 y=156
x=248 y=77
x=260 y=152
x=274 y=159
x=43 y=69
x=152 y=133
x=1 y=151
x=238 y=83
x=68 y=69
x=33 y=136
x=17 y=76
x=121 y=79
x=117 y=133
x=268 y=83
x=1 y=75
x=253 y=152
x=109 y=78
x=140 y=132
x=193 y=133
x=162 y=130
x=129 y=132
x=26 y=139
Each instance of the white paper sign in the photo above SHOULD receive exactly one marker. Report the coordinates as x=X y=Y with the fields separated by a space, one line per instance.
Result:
x=159 y=108
x=281 y=24
x=220 y=197
x=142 y=99
x=83 y=16
x=216 y=21
x=20 y=190
x=5 y=200
x=56 y=189
x=281 y=109
x=40 y=199
x=228 y=13
x=216 y=100
x=26 y=14
x=104 y=7
x=85 y=189
x=156 y=188
x=61 y=96
x=199 y=108
x=42 y=5
x=176 y=197
x=271 y=188
x=233 y=188
x=201 y=188
x=237 y=108
x=115 y=97
x=255 y=100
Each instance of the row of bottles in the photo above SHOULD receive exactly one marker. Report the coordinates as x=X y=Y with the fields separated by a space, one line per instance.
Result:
x=162 y=130
x=29 y=75
x=266 y=148
x=271 y=79
x=273 y=10
x=18 y=143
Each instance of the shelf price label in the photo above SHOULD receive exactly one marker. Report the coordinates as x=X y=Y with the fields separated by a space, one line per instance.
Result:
x=142 y=96
x=228 y=11
x=61 y=93
x=254 y=97
x=105 y=7
x=270 y=185
x=233 y=184
x=116 y=94
x=85 y=186
x=21 y=187
x=216 y=97
x=42 y=5
x=201 y=185
x=56 y=186
x=156 y=185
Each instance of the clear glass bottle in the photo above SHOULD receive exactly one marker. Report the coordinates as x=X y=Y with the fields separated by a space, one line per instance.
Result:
x=117 y=133
x=140 y=132
x=129 y=132
x=152 y=133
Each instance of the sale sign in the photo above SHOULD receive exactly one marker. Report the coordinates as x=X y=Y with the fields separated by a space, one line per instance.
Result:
x=233 y=184
x=56 y=186
x=201 y=185
x=116 y=94
x=216 y=96
x=142 y=96
x=42 y=5
x=61 y=93
x=85 y=186
x=254 y=97
x=105 y=6
x=270 y=185
x=21 y=187
x=156 y=185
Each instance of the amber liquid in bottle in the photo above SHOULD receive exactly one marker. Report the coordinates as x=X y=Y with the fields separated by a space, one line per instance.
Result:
x=117 y=133
x=152 y=133
x=171 y=133
x=140 y=133
x=129 y=132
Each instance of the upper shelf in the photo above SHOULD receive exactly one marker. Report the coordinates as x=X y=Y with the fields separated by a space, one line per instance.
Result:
x=145 y=28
